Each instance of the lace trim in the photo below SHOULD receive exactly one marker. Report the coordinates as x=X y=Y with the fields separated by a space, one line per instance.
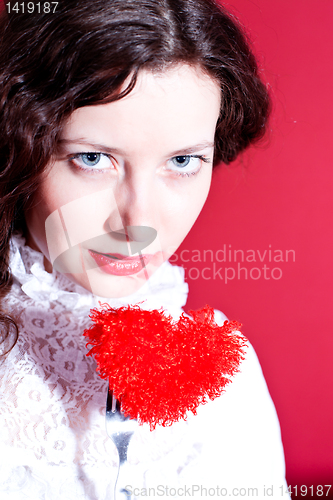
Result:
x=166 y=288
x=52 y=410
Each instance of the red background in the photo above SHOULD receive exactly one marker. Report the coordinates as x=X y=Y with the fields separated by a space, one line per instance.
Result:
x=280 y=194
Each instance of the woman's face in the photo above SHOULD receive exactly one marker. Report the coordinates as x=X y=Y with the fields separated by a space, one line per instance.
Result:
x=128 y=183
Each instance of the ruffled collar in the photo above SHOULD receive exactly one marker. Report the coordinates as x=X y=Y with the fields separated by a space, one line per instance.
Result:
x=166 y=288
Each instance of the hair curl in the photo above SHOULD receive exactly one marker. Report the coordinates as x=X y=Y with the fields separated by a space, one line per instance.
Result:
x=81 y=54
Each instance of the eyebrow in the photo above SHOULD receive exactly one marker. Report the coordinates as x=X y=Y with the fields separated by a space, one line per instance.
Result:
x=193 y=149
x=107 y=149
x=84 y=142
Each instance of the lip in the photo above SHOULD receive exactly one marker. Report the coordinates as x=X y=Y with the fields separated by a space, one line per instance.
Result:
x=118 y=264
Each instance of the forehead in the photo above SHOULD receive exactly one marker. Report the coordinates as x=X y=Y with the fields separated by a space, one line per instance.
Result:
x=180 y=105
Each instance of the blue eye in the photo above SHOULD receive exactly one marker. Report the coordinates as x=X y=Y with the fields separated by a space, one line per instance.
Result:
x=186 y=165
x=181 y=161
x=91 y=159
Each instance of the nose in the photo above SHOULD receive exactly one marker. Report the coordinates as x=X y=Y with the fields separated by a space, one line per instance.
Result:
x=137 y=203
x=141 y=233
x=140 y=237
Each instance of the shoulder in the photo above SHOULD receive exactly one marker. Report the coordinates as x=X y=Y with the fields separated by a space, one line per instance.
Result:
x=248 y=387
x=250 y=369
x=244 y=424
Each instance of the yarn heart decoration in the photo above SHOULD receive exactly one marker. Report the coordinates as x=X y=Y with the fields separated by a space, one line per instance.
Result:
x=160 y=368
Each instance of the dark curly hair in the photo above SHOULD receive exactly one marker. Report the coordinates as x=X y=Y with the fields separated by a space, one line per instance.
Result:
x=81 y=54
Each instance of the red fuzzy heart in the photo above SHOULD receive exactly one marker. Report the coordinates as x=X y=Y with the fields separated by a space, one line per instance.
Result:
x=160 y=368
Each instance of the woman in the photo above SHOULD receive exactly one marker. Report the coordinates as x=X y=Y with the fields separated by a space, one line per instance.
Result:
x=113 y=116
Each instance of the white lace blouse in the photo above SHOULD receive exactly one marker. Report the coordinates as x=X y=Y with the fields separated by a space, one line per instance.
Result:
x=52 y=412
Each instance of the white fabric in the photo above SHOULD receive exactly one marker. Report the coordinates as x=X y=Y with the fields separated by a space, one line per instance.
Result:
x=52 y=412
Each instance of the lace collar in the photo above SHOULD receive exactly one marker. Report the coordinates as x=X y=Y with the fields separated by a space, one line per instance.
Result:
x=166 y=288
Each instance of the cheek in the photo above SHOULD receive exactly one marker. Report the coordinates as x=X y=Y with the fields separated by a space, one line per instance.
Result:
x=35 y=217
x=45 y=202
x=196 y=197
x=186 y=208
x=77 y=221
